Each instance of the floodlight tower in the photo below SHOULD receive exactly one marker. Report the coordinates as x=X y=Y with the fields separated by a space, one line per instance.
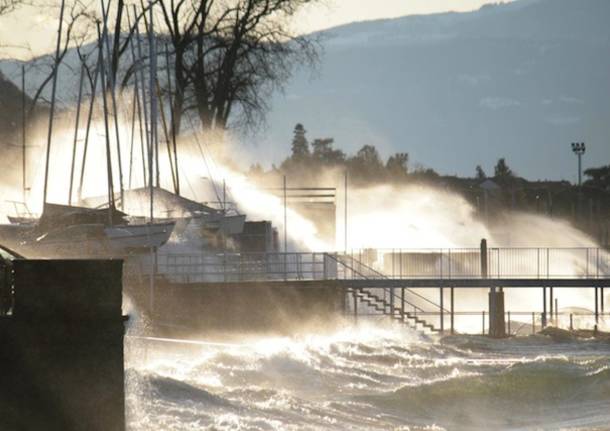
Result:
x=578 y=148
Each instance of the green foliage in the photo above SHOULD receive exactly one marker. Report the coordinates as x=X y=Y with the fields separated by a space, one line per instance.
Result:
x=480 y=173
x=398 y=165
x=598 y=177
x=325 y=154
x=502 y=170
x=300 y=146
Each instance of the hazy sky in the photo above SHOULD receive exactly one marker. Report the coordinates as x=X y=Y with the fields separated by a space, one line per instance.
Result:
x=36 y=27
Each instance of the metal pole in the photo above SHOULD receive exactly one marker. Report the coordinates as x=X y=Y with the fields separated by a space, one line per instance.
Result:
x=285 y=219
x=483 y=323
x=52 y=111
x=153 y=111
x=452 y=311
x=79 y=191
x=173 y=118
x=77 y=120
x=509 y=331
x=111 y=82
x=345 y=215
x=442 y=299
x=106 y=129
x=23 y=135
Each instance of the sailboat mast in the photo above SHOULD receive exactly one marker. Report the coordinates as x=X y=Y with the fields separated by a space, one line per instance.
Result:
x=144 y=104
x=88 y=130
x=173 y=120
x=106 y=127
x=77 y=121
x=111 y=83
x=153 y=109
x=23 y=135
x=52 y=112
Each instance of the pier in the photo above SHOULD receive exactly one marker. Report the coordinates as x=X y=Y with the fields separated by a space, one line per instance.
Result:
x=417 y=287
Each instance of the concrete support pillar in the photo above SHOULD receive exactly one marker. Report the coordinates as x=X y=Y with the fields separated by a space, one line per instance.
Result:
x=497 y=325
x=543 y=320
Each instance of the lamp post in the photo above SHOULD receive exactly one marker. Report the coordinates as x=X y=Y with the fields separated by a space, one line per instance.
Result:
x=578 y=148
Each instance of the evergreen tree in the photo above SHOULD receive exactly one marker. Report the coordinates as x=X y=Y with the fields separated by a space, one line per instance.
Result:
x=300 y=146
x=398 y=165
x=480 y=173
x=502 y=170
x=324 y=152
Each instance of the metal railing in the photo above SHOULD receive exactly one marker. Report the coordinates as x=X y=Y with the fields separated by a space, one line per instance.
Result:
x=513 y=262
x=443 y=264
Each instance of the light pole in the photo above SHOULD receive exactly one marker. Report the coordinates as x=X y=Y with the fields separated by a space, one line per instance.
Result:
x=578 y=148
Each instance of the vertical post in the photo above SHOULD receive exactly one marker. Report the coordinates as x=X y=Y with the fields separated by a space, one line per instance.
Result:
x=551 y=304
x=75 y=142
x=596 y=305
x=285 y=231
x=601 y=299
x=355 y=306
x=442 y=298
x=571 y=322
x=52 y=110
x=543 y=320
x=452 y=308
x=533 y=323
x=402 y=303
x=345 y=215
x=23 y=135
x=483 y=323
x=509 y=331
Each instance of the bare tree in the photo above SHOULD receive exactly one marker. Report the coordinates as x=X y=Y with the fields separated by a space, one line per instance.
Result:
x=230 y=54
x=8 y=6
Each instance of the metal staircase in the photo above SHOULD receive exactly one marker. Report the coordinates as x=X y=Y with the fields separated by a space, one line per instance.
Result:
x=390 y=304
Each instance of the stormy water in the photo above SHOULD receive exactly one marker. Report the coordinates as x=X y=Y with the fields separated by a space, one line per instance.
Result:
x=369 y=376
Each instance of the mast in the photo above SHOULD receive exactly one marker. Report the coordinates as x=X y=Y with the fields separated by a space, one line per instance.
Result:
x=143 y=88
x=88 y=129
x=106 y=127
x=23 y=135
x=53 y=91
x=153 y=110
x=80 y=95
x=111 y=83
x=173 y=120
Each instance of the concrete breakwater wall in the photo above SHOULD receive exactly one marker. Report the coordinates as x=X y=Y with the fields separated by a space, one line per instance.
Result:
x=61 y=349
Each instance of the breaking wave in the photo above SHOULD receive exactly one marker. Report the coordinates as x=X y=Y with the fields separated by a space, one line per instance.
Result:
x=369 y=377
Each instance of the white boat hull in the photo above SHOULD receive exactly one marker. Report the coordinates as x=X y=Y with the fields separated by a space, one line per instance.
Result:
x=139 y=236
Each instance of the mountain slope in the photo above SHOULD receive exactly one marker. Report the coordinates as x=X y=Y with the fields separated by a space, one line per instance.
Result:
x=520 y=81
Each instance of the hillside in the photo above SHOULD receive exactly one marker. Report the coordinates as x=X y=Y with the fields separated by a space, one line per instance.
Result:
x=520 y=81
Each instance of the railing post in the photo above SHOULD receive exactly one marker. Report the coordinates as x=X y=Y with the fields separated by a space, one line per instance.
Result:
x=452 y=307
x=355 y=306
x=509 y=331
x=442 y=299
x=571 y=322
x=483 y=323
